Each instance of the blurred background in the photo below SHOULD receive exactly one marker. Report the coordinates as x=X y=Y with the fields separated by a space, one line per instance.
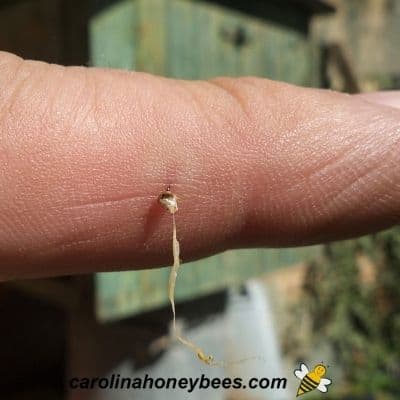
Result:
x=338 y=303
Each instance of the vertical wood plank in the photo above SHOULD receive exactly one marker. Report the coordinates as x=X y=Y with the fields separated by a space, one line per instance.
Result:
x=113 y=36
x=152 y=36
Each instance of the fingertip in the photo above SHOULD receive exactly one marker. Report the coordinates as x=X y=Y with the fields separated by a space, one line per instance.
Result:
x=390 y=98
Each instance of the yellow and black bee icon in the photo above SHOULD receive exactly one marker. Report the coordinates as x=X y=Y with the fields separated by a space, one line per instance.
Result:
x=311 y=380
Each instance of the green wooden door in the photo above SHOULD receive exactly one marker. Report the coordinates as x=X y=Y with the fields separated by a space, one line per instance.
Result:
x=193 y=40
x=206 y=40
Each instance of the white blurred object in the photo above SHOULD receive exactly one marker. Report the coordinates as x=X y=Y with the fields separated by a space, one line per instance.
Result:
x=246 y=329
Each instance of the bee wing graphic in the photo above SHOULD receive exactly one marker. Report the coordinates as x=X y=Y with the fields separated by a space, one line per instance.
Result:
x=302 y=372
x=322 y=387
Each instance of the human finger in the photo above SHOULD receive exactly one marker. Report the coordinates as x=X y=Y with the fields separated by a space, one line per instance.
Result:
x=389 y=98
x=86 y=152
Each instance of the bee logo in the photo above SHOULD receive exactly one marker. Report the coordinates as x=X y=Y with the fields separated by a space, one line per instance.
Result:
x=312 y=380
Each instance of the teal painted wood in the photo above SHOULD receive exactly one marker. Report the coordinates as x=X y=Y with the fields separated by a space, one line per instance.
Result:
x=152 y=36
x=199 y=45
x=112 y=34
x=192 y=40
x=122 y=294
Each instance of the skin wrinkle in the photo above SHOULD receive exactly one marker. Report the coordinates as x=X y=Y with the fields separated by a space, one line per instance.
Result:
x=66 y=243
x=96 y=111
x=225 y=85
x=238 y=201
x=110 y=202
x=218 y=120
x=330 y=204
x=100 y=150
x=203 y=143
x=342 y=195
x=322 y=167
x=327 y=168
x=15 y=88
x=82 y=241
x=83 y=113
x=278 y=145
x=334 y=205
x=201 y=107
x=349 y=153
x=297 y=215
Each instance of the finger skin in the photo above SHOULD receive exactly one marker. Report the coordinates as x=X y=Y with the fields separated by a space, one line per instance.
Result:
x=389 y=98
x=85 y=153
